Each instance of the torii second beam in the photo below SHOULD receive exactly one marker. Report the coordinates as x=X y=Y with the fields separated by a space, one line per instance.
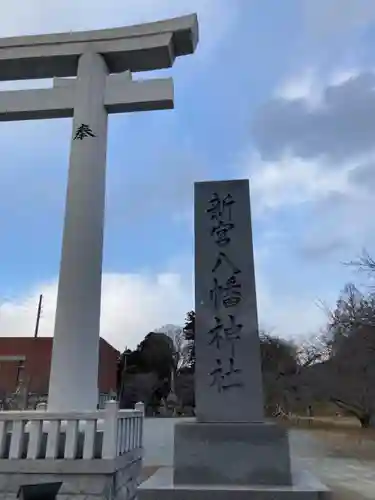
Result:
x=122 y=95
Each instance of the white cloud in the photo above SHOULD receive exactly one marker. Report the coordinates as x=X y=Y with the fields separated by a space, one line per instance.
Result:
x=292 y=181
x=305 y=85
x=132 y=306
x=337 y=199
x=135 y=304
x=290 y=316
x=336 y=191
x=310 y=84
x=285 y=313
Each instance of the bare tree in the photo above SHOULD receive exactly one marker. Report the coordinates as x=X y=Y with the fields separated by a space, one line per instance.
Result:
x=364 y=264
x=298 y=384
x=279 y=369
x=180 y=348
x=347 y=377
x=176 y=334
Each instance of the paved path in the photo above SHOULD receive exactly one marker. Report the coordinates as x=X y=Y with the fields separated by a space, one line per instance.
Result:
x=306 y=451
x=158 y=440
x=345 y=473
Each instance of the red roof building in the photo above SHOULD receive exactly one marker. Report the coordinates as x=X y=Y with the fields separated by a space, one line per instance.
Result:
x=29 y=359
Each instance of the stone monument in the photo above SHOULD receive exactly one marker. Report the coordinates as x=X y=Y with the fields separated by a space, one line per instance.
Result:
x=101 y=63
x=229 y=451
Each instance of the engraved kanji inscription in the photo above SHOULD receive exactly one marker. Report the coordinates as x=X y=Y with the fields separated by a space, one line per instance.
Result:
x=217 y=333
x=221 y=333
x=221 y=258
x=224 y=378
x=233 y=331
x=220 y=231
x=220 y=208
x=228 y=294
x=82 y=132
x=220 y=211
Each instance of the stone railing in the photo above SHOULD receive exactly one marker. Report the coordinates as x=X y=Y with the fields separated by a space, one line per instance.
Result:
x=39 y=435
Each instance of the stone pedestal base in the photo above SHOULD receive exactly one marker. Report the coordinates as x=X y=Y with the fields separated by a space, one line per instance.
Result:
x=160 y=486
x=231 y=461
x=227 y=453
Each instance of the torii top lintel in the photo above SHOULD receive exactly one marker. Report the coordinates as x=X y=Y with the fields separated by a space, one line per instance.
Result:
x=143 y=47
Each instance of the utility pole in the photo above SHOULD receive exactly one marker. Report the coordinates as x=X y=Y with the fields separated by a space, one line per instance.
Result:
x=123 y=373
x=38 y=316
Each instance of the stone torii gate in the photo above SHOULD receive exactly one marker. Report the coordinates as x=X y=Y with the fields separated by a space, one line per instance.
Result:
x=102 y=62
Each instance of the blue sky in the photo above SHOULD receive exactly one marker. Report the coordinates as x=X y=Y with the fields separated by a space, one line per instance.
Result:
x=281 y=93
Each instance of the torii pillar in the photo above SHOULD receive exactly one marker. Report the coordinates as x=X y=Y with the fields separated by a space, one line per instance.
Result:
x=92 y=57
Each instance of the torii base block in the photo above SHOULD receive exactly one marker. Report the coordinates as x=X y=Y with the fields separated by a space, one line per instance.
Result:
x=231 y=461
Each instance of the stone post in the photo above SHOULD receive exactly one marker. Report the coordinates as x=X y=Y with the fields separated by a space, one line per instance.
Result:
x=74 y=385
x=140 y=406
x=228 y=379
